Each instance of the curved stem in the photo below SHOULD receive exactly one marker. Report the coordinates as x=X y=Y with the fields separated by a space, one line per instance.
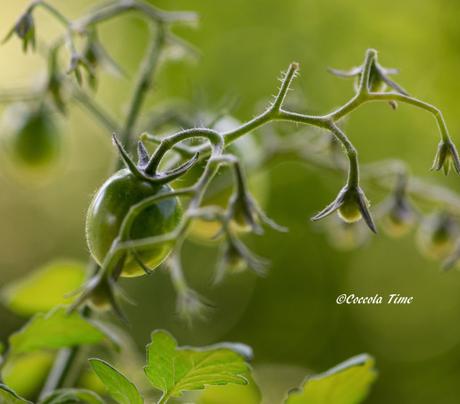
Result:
x=62 y=19
x=216 y=140
x=436 y=112
x=122 y=6
x=67 y=361
x=352 y=154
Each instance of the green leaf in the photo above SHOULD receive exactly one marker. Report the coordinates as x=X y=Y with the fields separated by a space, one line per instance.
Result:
x=347 y=383
x=44 y=288
x=8 y=396
x=231 y=394
x=26 y=373
x=174 y=370
x=53 y=330
x=72 y=396
x=120 y=388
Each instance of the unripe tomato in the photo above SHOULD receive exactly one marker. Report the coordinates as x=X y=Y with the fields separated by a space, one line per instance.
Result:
x=398 y=221
x=436 y=236
x=99 y=299
x=349 y=211
x=221 y=187
x=32 y=141
x=110 y=206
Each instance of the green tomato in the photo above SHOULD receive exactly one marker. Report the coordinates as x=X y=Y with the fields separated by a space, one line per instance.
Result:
x=32 y=141
x=398 y=222
x=221 y=187
x=110 y=206
x=436 y=236
x=349 y=211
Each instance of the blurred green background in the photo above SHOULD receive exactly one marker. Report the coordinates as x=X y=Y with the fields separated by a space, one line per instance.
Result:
x=290 y=317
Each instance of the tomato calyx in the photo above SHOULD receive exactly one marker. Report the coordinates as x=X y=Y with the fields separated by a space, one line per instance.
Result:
x=398 y=214
x=101 y=291
x=141 y=171
x=378 y=82
x=446 y=157
x=243 y=211
x=379 y=79
x=351 y=204
x=437 y=234
x=24 y=29
x=236 y=257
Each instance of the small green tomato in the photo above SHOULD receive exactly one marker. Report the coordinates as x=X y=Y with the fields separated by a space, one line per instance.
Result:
x=349 y=211
x=32 y=140
x=398 y=223
x=110 y=206
x=436 y=236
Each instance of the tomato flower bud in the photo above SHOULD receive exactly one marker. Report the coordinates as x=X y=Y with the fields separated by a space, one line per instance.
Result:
x=351 y=205
x=24 y=29
x=379 y=80
x=399 y=217
x=100 y=292
x=96 y=56
x=235 y=257
x=243 y=210
x=446 y=156
x=397 y=213
x=78 y=62
x=436 y=235
x=191 y=305
x=246 y=215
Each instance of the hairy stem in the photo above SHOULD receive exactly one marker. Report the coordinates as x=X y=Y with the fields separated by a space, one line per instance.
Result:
x=66 y=360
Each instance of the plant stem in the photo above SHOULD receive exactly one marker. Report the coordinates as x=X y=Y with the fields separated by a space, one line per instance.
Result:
x=99 y=114
x=66 y=360
x=143 y=84
x=60 y=370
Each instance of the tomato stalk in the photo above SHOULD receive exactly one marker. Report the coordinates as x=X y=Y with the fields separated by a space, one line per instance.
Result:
x=66 y=361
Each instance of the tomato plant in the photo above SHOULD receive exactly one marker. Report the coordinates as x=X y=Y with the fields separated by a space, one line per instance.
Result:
x=202 y=182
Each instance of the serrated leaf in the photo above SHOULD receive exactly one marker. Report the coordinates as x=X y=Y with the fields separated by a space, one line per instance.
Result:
x=8 y=396
x=44 y=288
x=119 y=387
x=174 y=370
x=72 y=396
x=347 y=383
x=53 y=330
